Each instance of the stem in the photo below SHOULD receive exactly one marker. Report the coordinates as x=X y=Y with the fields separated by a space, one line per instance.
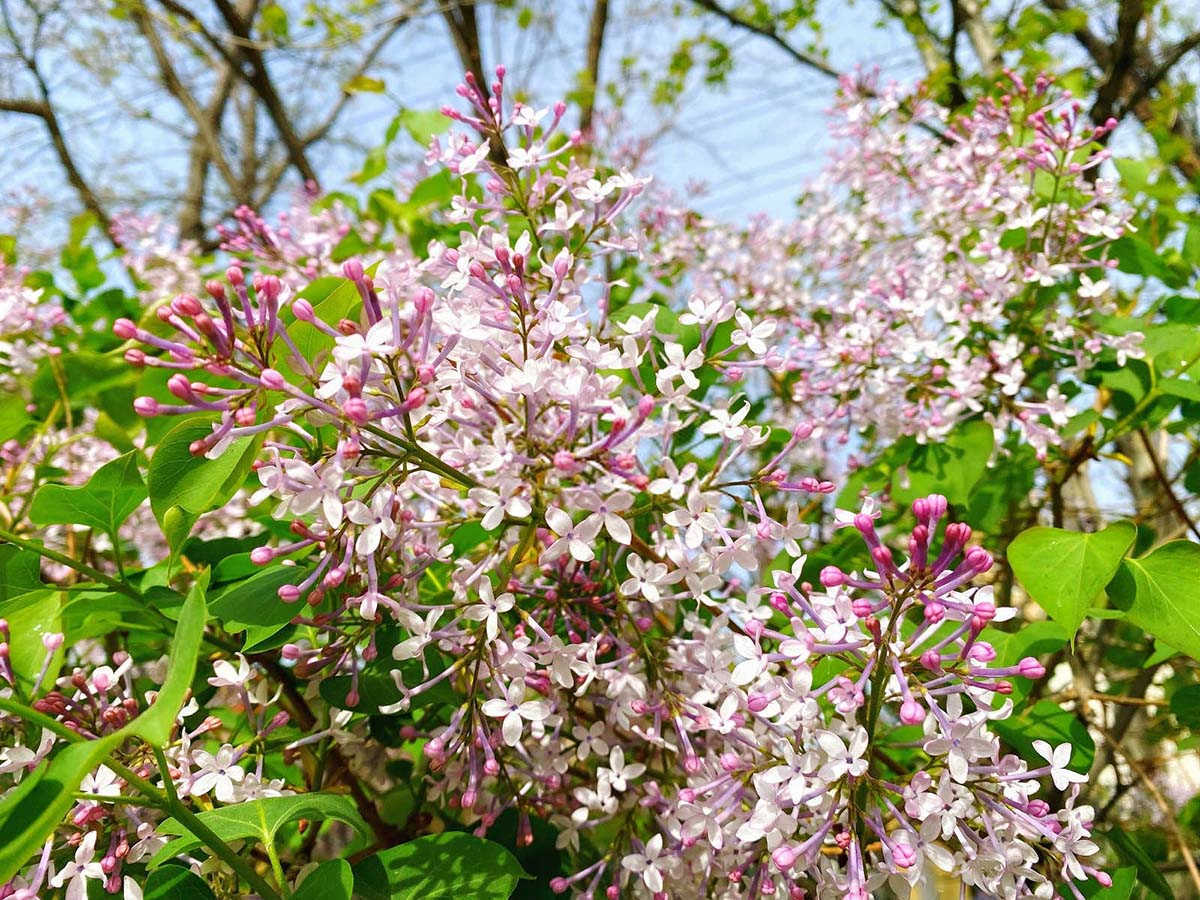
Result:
x=207 y=836
x=115 y=583
x=424 y=456
x=1161 y=474
x=166 y=799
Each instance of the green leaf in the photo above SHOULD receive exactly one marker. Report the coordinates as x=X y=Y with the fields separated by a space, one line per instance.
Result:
x=1034 y=639
x=422 y=125
x=175 y=883
x=364 y=84
x=448 y=866
x=1185 y=705
x=374 y=165
x=20 y=574
x=260 y=820
x=1064 y=571
x=40 y=803
x=106 y=501
x=1131 y=852
x=332 y=880
x=194 y=484
x=29 y=620
x=1124 y=880
x=14 y=415
x=332 y=299
x=156 y=723
x=376 y=686
x=1161 y=594
x=951 y=467
x=1047 y=721
x=254 y=601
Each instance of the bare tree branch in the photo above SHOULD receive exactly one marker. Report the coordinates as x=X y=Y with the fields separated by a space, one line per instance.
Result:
x=771 y=35
x=1123 y=54
x=43 y=109
x=591 y=73
x=464 y=30
x=258 y=77
x=206 y=126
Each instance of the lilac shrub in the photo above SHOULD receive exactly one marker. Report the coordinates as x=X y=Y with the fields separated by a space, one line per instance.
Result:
x=540 y=512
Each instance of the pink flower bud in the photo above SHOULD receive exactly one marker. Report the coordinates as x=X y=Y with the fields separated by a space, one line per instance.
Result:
x=235 y=275
x=1031 y=668
x=186 y=305
x=146 y=406
x=784 y=857
x=288 y=593
x=272 y=380
x=356 y=410
x=912 y=712
x=861 y=607
x=832 y=576
x=979 y=559
x=903 y=855
x=559 y=885
x=52 y=641
x=179 y=385
x=303 y=310
x=125 y=328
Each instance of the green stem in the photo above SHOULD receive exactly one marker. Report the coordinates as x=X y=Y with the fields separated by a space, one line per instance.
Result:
x=167 y=800
x=424 y=456
x=193 y=823
x=115 y=583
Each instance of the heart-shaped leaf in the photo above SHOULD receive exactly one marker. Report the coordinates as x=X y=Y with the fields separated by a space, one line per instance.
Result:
x=1160 y=592
x=107 y=500
x=1064 y=571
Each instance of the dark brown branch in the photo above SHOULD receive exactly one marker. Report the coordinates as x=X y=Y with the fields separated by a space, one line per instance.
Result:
x=43 y=109
x=771 y=35
x=206 y=126
x=191 y=217
x=247 y=60
x=464 y=30
x=591 y=74
x=258 y=77
x=1165 y=484
x=1122 y=58
x=1170 y=59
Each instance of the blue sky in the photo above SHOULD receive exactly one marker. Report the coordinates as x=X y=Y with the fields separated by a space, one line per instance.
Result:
x=754 y=142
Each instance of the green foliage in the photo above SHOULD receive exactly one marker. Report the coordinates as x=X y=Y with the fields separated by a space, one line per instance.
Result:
x=952 y=467
x=157 y=722
x=175 y=883
x=39 y=803
x=447 y=866
x=260 y=820
x=254 y=601
x=1047 y=721
x=193 y=485
x=106 y=501
x=1161 y=593
x=332 y=880
x=1131 y=852
x=1065 y=571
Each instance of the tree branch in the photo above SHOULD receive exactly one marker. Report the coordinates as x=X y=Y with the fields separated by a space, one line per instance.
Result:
x=771 y=35
x=591 y=73
x=1122 y=59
